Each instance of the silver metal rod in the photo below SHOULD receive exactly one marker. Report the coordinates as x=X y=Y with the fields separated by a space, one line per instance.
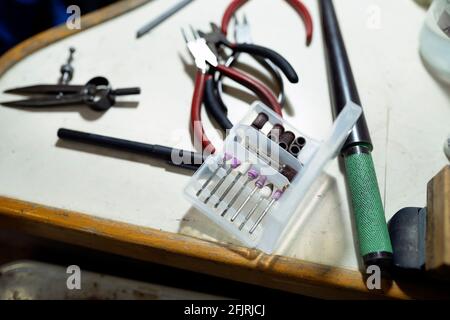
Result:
x=261 y=217
x=217 y=186
x=231 y=185
x=244 y=203
x=249 y=215
x=159 y=19
x=205 y=184
x=236 y=196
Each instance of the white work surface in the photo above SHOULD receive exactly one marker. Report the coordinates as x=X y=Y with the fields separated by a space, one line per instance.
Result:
x=408 y=114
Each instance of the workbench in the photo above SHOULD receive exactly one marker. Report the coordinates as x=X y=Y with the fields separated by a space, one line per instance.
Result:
x=134 y=206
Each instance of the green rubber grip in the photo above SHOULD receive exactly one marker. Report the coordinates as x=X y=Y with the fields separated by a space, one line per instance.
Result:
x=367 y=206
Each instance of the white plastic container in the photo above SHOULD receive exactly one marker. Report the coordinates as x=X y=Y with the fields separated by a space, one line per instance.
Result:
x=226 y=181
x=435 y=40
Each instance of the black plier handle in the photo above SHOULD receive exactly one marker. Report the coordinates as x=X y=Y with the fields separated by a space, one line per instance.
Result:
x=266 y=53
x=216 y=38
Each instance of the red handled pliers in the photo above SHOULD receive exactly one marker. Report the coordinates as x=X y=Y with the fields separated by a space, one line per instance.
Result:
x=298 y=6
x=267 y=57
x=205 y=59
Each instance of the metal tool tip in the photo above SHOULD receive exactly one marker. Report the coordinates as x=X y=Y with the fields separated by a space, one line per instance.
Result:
x=10 y=104
x=12 y=91
x=194 y=32
x=183 y=32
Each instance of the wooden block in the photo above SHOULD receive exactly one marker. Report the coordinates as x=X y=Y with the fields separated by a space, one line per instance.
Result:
x=438 y=225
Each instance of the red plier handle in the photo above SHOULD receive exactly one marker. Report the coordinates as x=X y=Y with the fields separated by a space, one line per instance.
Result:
x=254 y=85
x=298 y=6
x=196 y=112
x=264 y=93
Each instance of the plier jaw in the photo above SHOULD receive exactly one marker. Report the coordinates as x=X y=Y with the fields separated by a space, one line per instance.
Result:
x=242 y=32
x=200 y=51
x=216 y=37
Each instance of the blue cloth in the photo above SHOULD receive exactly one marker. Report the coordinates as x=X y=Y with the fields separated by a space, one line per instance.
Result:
x=21 y=19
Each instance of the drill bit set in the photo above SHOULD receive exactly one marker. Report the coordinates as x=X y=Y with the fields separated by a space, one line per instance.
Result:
x=254 y=185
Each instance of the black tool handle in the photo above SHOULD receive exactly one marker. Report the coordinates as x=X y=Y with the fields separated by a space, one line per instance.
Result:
x=126 y=91
x=270 y=54
x=194 y=159
x=214 y=106
x=275 y=73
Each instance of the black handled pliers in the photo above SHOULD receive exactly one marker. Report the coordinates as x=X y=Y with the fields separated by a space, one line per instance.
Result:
x=207 y=64
x=242 y=34
x=96 y=93
x=216 y=40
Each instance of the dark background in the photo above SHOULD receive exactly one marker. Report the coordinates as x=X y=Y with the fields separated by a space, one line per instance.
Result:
x=21 y=19
x=16 y=246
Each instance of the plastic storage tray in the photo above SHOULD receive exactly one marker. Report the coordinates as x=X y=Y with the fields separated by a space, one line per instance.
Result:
x=252 y=188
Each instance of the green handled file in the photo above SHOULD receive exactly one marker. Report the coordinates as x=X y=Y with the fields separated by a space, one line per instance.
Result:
x=373 y=237
x=367 y=206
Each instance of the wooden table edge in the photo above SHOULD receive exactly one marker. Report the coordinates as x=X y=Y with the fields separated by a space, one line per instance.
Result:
x=177 y=250
x=185 y=252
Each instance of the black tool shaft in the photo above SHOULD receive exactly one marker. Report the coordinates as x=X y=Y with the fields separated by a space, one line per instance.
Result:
x=157 y=151
x=273 y=56
x=126 y=91
x=342 y=82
